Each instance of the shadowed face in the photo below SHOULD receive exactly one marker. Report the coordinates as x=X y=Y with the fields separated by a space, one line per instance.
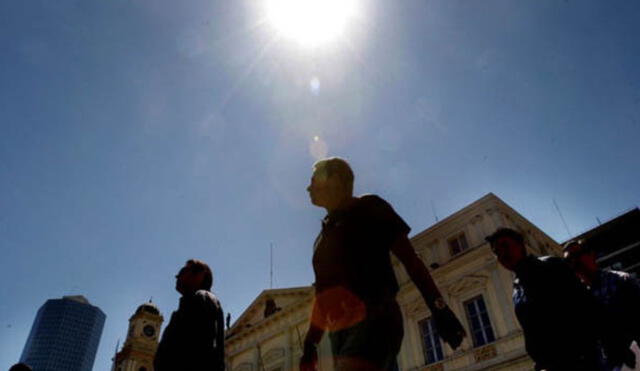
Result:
x=324 y=191
x=188 y=281
x=508 y=251
x=583 y=262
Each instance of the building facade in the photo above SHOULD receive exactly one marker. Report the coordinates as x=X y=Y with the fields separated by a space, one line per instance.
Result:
x=65 y=335
x=269 y=333
x=140 y=347
x=476 y=287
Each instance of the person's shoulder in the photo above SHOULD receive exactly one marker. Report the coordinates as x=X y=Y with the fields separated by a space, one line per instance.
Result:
x=554 y=263
x=206 y=296
x=373 y=205
x=616 y=275
x=552 y=260
x=622 y=279
x=370 y=198
x=372 y=202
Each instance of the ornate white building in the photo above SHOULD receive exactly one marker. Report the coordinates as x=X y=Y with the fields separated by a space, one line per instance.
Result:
x=268 y=335
x=140 y=347
x=476 y=287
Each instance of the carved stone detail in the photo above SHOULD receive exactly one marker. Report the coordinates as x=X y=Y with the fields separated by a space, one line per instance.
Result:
x=416 y=307
x=466 y=283
x=485 y=353
x=476 y=219
x=245 y=366
x=273 y=355
x=436 y=367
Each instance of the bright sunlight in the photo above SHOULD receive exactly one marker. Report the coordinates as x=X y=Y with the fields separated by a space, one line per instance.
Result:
x=310 y=22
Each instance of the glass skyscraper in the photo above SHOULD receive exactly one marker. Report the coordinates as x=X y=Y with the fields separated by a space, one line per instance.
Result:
x=65 y=335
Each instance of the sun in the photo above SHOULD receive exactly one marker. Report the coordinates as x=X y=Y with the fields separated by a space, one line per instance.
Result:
x=310 y=22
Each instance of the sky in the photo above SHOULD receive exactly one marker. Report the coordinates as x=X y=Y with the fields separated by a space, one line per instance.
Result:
x=135 y=135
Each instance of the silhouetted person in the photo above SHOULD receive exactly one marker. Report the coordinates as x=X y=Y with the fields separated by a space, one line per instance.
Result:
x=194 y=338
x=618 y=293
x=355 y=285
x=20 y=367
x=557 y=314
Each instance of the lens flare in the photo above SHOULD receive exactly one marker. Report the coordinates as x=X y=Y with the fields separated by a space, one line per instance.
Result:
x=318 y=149
x=310 y=22
x=314 y=85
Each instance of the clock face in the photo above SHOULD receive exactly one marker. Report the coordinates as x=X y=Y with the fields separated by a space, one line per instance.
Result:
x=149 y=330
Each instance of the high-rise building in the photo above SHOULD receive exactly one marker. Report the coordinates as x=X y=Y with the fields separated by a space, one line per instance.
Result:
x=142 y=340
x=65 y=335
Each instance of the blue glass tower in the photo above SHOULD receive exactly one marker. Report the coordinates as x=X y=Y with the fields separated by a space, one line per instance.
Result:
x=65 y=335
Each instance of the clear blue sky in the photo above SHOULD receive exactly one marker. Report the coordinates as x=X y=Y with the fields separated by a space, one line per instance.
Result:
x=137 y=134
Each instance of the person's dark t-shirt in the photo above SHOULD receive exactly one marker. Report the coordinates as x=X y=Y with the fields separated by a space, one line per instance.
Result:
x=353 y=250
x=194 y=338
x=557 y=314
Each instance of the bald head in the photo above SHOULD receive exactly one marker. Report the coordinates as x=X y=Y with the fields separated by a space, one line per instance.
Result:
x=336 y=168
x=331 y=184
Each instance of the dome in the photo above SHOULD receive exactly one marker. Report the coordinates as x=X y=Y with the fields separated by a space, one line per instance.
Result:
x=149 y=308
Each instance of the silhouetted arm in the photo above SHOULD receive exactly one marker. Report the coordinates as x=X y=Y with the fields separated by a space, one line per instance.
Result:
x=220 y=340
x=448 y=325
x=416 y=269
x=309 y=359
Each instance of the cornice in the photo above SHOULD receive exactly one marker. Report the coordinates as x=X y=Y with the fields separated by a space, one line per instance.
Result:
x=487 y=199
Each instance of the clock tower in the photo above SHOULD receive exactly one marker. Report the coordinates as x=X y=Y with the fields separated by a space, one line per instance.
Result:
x=142 y=340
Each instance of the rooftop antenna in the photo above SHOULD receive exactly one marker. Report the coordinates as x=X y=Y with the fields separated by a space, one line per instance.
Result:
x=433 y=208
x=271 y=266
x=562 y=218
x=599 y=222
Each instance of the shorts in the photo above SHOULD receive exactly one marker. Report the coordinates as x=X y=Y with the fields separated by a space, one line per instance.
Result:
x=372 y=344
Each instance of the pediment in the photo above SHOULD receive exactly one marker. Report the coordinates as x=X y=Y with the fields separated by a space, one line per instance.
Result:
x=283 y=298
x=466 y=283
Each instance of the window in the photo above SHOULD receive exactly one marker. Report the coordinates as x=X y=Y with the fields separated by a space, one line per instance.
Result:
x=481 y=331
x=430 y=341
x=458 y=244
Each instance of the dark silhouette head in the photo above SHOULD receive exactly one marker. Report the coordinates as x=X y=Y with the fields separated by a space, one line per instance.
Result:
x=508 y=246
x=582 y=258
x=20 y=367
x=331 y=183
x=195 y=275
